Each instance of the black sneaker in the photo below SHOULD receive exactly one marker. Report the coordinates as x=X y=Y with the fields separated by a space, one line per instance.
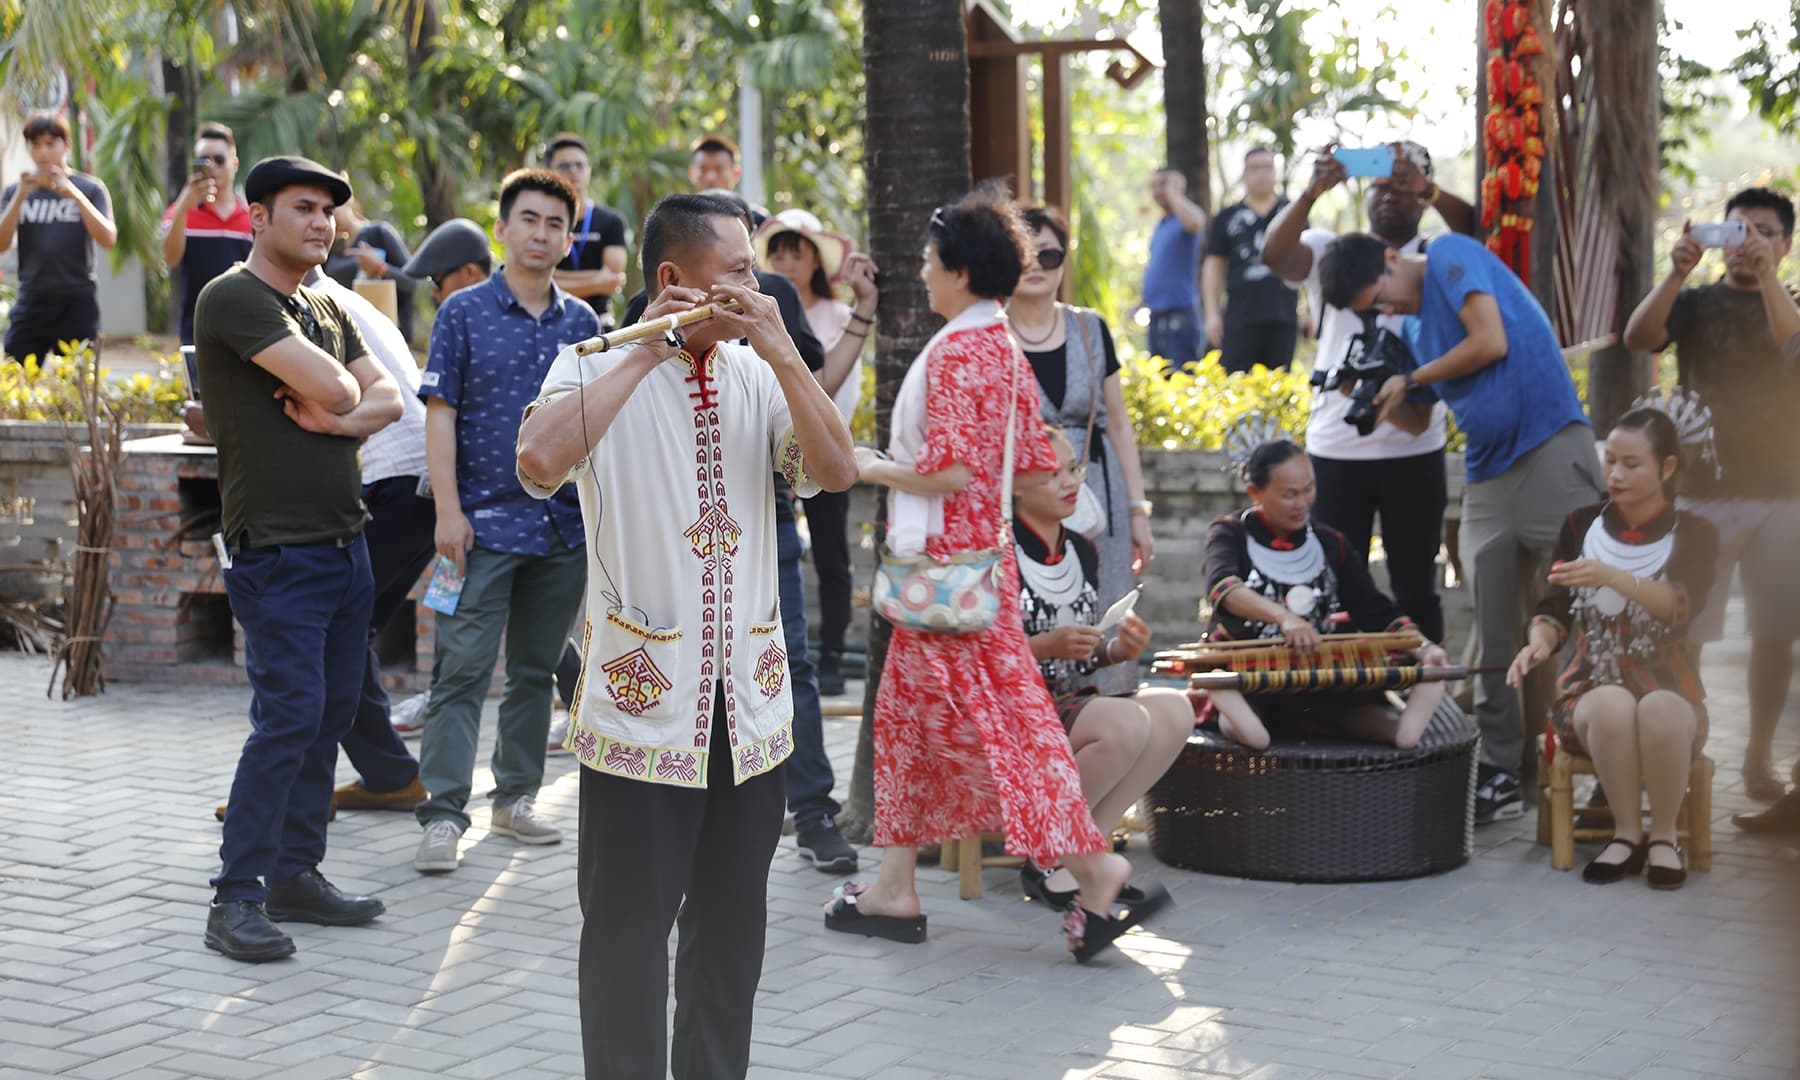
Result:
x=1497 y=796
x=820 y=841
x=830 y=676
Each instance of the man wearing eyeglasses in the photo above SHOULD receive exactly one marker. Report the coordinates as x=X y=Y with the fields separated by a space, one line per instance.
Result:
x=207 y=229
x=291 y=392
x=594 y=268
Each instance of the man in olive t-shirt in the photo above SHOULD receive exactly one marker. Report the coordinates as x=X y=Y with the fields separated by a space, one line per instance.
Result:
x=289 y=391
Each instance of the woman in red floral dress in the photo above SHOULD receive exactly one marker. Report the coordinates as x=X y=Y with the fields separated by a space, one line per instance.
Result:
x=966 y=735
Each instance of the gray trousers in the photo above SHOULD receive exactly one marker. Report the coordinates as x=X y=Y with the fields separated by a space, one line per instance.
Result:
x=532 y=599
x=1509 y=526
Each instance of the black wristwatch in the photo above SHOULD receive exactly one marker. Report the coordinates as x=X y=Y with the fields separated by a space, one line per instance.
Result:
x=1410 y=386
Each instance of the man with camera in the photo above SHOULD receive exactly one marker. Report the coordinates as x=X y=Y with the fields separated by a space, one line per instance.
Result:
x=57 y=216
x=1730 y=338
x=1480 y=340
x=206 y=230
x=1394 y=468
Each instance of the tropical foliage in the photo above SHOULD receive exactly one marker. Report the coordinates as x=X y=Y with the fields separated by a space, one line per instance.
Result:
x=1178 y=409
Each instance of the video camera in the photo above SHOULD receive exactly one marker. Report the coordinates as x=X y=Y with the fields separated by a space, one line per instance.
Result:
x=1371 y=358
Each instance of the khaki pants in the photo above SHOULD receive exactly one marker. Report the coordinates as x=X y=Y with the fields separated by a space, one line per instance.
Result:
x=1509 y=526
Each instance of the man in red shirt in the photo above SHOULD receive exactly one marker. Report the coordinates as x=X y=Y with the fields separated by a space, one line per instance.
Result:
x=207 y=229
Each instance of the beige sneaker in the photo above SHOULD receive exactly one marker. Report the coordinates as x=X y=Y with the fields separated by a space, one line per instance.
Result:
x=519 y=820
x=437 y=849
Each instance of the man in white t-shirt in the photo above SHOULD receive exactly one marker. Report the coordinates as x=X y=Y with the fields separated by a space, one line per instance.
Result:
x=1397 y=470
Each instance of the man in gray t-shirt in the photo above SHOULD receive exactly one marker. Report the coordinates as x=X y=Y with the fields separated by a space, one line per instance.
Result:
x=57 y=216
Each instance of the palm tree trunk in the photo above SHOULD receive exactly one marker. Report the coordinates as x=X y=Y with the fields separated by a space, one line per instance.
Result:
x=437 y=184
x=915 y=58
x=1184 y=94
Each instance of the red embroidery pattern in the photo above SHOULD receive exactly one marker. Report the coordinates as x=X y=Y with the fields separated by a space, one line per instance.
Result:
x=635 y=682
x=713 y=533
x=966 y=736
x=584 y=742
x=781 y=744
x=771 y=670
x=750 y=760
x=793 y=465
x=676 y=765
x=624 y=758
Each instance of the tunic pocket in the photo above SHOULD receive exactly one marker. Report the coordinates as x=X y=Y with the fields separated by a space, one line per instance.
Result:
x=635 y=665
x=770 y=670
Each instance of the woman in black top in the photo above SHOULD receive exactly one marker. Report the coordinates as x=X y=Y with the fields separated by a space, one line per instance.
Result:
x=1627 y=577
x=1273 y=573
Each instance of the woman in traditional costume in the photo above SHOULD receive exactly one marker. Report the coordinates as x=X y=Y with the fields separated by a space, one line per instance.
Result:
x=1627 y=576
x=1273 y=572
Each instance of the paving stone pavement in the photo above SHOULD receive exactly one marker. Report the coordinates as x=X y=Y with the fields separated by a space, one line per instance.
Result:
x=1502 y=968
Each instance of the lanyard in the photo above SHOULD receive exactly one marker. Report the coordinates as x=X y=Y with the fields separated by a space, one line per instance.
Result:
x=587 y=219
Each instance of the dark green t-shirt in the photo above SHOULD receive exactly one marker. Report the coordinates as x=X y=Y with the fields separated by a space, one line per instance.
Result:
x=279 y=483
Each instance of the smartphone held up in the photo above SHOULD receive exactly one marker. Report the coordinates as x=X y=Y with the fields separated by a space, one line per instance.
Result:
x=1719 y=234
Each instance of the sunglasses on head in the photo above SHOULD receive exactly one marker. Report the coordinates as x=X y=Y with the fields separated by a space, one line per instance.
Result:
x=937 y=219
x=1050 y=258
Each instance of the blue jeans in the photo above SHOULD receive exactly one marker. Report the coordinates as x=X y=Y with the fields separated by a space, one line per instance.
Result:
x=399 y=534
x=305 y=613
x=531 y=599
x=809 y=777
x=1175 y=335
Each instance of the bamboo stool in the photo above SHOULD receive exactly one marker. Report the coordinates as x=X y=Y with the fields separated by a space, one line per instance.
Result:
x=1556 y=809
x=964 y=854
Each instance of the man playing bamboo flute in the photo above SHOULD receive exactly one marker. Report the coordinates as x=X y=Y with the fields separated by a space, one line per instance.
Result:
x=684 y=716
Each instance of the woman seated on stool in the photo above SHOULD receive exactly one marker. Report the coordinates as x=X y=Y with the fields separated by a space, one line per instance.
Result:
x=1626 y=577
x=1274 y=573
x=1122 y=744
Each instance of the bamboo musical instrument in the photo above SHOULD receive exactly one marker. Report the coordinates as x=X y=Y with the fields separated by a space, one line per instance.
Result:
x=1272 y=652
x=669 y=324
x=1320 y=680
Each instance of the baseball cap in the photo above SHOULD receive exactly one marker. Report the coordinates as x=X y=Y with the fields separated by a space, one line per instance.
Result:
x=450 y=245
x=273 y=174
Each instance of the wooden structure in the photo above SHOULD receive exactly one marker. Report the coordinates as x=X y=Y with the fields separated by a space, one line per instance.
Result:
x=1000 y=102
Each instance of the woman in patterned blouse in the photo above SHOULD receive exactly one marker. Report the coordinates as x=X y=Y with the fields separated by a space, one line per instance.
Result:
x=1626 y=577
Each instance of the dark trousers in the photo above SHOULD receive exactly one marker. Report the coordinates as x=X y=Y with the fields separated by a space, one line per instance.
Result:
x=1176 y=335
x=36 y=326
x=1270 y=344
x=828 y=519
x=648 y=851
x=305 y=613
x=400 y=535
x=809 y=776
x=1410 y=494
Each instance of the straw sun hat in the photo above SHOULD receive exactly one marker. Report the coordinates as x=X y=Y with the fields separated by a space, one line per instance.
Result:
x=833 y=247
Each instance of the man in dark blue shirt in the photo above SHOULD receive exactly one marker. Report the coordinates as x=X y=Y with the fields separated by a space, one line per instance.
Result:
x=1481 y=341
x=1171 y=276
x=523 y=560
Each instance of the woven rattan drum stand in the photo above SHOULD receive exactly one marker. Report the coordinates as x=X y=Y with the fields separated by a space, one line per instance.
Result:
x=1319 y=808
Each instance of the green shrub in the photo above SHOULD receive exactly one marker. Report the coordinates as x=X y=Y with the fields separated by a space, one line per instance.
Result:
x=30 y=390
x=1191 y=410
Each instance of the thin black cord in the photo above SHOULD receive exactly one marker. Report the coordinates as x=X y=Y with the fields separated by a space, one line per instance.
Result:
x=615 y=603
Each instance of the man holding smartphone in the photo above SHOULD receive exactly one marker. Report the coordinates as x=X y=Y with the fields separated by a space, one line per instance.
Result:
x=1730 y=337
x=57 y=215
x=206 y=230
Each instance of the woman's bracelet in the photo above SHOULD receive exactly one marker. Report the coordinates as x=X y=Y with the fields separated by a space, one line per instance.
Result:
x=861 y=319
x=856 y=334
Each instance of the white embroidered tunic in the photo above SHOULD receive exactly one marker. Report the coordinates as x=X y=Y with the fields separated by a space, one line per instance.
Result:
x=682 y=602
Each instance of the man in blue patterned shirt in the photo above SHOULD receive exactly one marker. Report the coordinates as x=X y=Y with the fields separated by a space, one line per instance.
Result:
x=522 y=559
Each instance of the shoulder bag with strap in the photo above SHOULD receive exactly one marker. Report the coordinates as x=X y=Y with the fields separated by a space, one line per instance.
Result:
x=1090 y=517
x=958 y=594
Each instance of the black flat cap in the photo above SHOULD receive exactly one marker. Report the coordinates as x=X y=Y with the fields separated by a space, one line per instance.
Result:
x=455 y=243
x=273 y=174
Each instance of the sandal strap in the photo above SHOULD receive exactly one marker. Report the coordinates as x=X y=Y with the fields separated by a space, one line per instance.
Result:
x=1664 y=843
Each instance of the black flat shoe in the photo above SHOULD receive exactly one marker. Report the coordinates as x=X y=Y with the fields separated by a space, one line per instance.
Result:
x=1035 y=884
x=1605 y=873
x=1666 y=877
x=1089 y=933
x=241 y=930
x=310 y=898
